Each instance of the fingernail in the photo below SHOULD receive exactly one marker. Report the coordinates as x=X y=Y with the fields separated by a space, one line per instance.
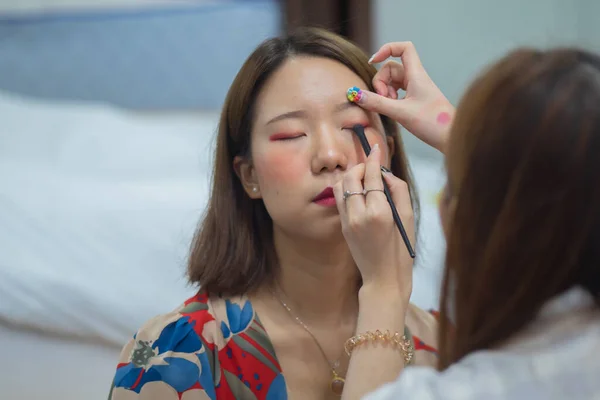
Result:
x=376 y=147
x=371 y=59
x=355 y=94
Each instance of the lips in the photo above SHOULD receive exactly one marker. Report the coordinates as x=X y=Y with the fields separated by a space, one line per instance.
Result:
x=325 y=194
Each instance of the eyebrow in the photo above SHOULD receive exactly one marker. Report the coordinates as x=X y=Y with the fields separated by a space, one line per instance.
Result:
x=302 y=114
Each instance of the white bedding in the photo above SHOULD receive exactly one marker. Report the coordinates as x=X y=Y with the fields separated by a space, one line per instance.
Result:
x=97 y=209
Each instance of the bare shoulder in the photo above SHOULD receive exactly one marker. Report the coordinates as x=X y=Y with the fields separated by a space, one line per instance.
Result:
x=423 y=327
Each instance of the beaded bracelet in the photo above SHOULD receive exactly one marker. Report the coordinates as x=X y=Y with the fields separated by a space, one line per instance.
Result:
x=395 y=339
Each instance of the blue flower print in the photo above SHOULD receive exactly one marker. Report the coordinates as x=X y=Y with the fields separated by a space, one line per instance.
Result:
x=239 y=318
x=155 y=361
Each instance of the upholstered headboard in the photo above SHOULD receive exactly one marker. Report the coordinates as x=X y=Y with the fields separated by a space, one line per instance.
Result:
x=174 y=57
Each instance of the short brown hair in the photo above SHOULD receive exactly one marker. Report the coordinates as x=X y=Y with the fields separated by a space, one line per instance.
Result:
x=524 y=173
x=232 y=252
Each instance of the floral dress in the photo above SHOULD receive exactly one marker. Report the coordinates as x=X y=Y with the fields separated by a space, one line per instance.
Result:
x=216 y=348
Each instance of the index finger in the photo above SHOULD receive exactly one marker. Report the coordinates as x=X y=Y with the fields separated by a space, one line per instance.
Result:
x=404 y=50
x=373 y=180
x=389 y=79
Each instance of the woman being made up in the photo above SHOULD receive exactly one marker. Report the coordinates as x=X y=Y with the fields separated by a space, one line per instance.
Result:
x=521 y=214
x=279 y=283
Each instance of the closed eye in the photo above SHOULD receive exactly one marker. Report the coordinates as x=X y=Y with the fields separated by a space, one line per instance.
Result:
x=285 y=136
x=351 y=126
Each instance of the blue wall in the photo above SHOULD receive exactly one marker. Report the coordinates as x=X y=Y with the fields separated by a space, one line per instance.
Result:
x=177 y=58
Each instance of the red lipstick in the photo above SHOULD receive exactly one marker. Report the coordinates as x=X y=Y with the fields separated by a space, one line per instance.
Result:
x=325 y=198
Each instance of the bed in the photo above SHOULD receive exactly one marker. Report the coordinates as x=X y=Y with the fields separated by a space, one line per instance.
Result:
x=102 y=183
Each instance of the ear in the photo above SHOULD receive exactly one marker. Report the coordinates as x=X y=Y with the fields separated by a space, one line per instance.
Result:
x=391 y=144
x=247 y=174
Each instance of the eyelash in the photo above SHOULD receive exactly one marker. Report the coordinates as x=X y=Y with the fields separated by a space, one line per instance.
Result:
x=350 y=127
x=284 y=137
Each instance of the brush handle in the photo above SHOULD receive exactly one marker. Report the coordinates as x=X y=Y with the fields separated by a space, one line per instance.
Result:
x=360 y=132
x=363 y=141
x=397 y=220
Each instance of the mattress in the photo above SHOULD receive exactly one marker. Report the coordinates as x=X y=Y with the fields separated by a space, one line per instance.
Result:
x=41 y=367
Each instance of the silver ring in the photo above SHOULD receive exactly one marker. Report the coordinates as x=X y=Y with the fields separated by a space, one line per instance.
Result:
x=373 y=190
x=348 y=193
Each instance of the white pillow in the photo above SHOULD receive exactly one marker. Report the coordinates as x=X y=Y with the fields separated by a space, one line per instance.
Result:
x=97 y=210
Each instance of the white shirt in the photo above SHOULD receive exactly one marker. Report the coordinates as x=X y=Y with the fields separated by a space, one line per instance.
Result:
x=555 y=357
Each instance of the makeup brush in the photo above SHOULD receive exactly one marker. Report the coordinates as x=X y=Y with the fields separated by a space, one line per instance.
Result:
x=360 y=132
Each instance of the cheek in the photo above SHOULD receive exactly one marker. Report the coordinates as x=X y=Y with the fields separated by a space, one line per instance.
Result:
x=277 y=168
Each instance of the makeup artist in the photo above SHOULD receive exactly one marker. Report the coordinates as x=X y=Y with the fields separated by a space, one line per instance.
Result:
x=520 y=308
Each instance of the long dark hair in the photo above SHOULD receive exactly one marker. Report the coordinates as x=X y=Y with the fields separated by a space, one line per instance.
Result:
x=524 y=175
x=232 y=252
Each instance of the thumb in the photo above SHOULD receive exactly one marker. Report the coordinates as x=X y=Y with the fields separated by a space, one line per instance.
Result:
x=398 y=110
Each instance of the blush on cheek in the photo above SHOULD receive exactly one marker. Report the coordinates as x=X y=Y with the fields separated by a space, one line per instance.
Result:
x=278 y=167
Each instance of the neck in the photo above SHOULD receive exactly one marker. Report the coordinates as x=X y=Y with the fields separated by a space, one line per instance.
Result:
x=318 y=280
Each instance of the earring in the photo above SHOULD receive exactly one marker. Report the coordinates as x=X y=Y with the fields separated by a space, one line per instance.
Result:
x=255 y=189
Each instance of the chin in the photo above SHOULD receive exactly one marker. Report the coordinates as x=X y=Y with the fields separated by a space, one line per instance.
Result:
x=323 y=229
x=326 y=229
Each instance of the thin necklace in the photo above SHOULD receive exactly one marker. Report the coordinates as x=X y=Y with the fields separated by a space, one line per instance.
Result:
x=337 y=381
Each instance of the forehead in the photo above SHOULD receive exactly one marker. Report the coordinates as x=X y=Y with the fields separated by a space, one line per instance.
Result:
x=306 y=83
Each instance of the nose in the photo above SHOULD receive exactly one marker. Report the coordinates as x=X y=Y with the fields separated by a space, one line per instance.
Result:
x=328 y=150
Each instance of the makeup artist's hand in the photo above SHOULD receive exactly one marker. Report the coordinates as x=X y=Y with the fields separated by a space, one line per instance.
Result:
x=369 y=228
x=424 y=110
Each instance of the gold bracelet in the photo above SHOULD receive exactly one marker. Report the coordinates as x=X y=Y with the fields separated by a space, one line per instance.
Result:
x=395 y=339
